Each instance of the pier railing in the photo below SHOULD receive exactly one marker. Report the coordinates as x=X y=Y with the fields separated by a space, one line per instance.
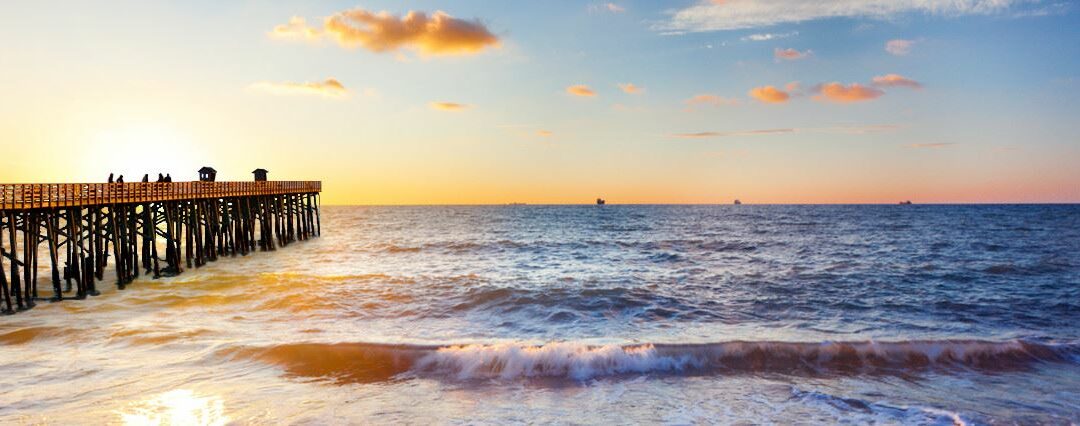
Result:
x=26 y=196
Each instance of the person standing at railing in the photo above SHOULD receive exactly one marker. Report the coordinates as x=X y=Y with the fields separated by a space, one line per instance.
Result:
x=120 y=179
x=146 y=178
x=168 y=177
x=160 y=178
x=110 y=178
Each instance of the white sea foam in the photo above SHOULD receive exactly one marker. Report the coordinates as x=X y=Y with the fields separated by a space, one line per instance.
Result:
x=572 y=360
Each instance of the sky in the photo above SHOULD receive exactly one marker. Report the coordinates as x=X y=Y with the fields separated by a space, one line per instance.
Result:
x=492 y=102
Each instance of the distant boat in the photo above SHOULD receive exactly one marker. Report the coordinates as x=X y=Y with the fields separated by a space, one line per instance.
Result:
x=738 y=203
x=904 y=203
x=600 y=201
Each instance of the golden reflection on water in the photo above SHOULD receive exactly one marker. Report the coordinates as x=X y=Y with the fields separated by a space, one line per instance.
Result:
x=177 y=407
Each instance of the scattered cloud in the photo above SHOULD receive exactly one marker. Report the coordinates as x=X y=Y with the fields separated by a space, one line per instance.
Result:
x=606 y=7
x=768 y=36
x=717 y=15
x=858 y=129
x=296 y=28
x=849 y=130
x=544 y=133
x=769 y=94
x=899 y=47
x=790 y=54
x=330 y=88
x=895 y=80
x=580 y=90
x=792 y=86
x=710 y=99
x=447 y=106
x=435 y=34
x=836 y=92
x=631 y=88
x=931 y=145
x=761 y=132
x=1058 y=8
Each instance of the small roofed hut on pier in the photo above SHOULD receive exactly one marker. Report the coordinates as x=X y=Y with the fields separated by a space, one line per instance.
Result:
x=207 y=174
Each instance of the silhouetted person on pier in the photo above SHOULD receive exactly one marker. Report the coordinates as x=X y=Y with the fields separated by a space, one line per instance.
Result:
x=146 y=178
x=120 y=179
x=110 y=178
x=168 y=177
x=160 y=177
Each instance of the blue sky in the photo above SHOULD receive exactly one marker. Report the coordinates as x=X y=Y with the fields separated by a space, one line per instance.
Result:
x=991 y=121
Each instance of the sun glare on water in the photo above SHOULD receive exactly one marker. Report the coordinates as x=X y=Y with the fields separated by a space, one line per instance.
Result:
x=178 y=407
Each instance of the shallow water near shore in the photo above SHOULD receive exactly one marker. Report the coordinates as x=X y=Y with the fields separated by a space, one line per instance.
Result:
x=584 y=314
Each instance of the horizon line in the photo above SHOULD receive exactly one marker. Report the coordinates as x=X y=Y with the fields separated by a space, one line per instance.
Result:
x=993 y=203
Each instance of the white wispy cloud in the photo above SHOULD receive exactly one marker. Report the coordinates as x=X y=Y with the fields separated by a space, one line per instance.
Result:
x=720 y=15
x=899 y=47
x=768 y=36
x=606 y=7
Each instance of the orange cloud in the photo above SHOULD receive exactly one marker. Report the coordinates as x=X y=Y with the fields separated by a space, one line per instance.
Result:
x=709 y=99
x=631 y=88
x=856 y=92
x=447 y=106
x=580 y=90
x=435 y=34
x=544 y=133
x=298 y=28
x=769 y=94
x=896 y=80
x=328 y=88
x=790 y=54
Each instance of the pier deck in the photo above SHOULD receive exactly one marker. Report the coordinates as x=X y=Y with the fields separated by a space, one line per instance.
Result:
x=22 y=196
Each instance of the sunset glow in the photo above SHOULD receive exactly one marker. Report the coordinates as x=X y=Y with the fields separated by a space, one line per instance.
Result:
x=550 y=102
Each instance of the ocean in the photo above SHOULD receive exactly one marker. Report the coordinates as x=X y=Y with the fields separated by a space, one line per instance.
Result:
x=918 y=314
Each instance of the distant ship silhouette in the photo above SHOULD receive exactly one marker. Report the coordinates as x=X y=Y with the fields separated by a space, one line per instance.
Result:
x=737 y=202
x=904 y=203
x=600 y=201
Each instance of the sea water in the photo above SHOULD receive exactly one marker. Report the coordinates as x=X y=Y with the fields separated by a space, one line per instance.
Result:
x=584 y=314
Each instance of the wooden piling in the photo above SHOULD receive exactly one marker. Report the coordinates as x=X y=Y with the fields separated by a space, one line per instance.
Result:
x=83 y=225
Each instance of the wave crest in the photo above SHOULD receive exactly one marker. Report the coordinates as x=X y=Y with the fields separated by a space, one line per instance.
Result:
x=372 y=362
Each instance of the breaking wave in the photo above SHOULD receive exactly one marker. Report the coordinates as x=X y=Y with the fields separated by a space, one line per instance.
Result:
x=373 y=362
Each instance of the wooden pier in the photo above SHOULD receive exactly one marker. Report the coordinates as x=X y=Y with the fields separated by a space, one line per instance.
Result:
x=158 y=227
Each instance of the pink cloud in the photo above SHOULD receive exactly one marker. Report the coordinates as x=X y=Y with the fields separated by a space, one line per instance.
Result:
x=760 y=132
x=790 y=54
x=895 y=80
